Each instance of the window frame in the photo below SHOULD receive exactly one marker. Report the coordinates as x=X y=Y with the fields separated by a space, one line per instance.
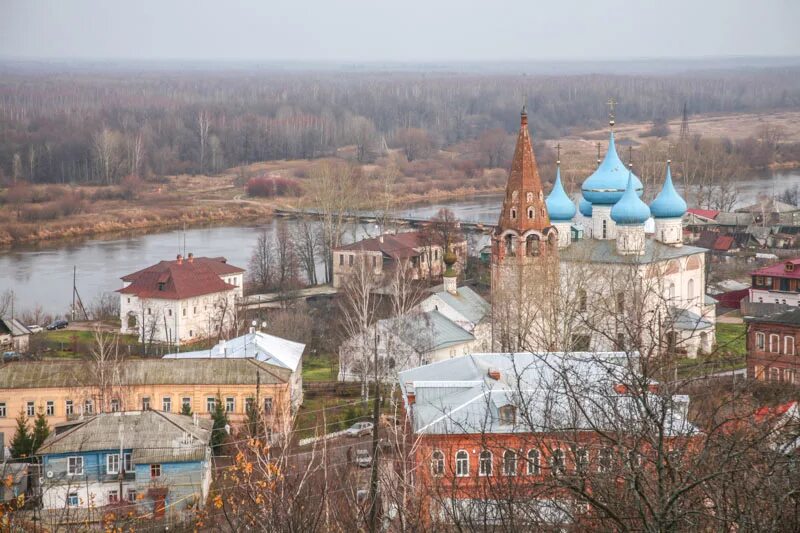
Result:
x=155 y=471
x=437 y=463
x=788 y=347
x=166 y=404
x=509 y=459
x=761 y=340
x=112 y=496
x=110 y=458
x=73 y=461
x=3 y=410
x=230 y=404
x=50 y=408
x=462 y=463
x=534 y=467
x=211 y=404
x=558 y=452
x=73 y=500
x=484 y=462
x=127 y=462
x=30 y=409
x=69 y=407
x=774 y=343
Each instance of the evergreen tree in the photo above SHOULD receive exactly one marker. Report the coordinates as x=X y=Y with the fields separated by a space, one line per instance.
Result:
x=22 y=442
x=218 y=433
x=41 y=430
x=186 y=409
x=253 y=420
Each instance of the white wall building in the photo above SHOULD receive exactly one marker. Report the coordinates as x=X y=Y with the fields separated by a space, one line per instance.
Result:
x=181 y=301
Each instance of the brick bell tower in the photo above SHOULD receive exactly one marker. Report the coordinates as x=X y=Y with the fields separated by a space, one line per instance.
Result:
x=524 y=251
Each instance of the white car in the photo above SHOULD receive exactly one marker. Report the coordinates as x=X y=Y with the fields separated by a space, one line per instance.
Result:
x=363 y=458
x=358 y=429
x=34 y=328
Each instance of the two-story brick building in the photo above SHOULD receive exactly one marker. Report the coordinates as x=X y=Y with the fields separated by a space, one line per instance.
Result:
x=772 y=342
x=777 y=284
x=181 y=301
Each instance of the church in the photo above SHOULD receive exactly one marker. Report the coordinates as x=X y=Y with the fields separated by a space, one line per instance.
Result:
x=591 y=278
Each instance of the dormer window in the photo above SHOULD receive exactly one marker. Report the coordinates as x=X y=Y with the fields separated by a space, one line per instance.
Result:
x=789 y=266
x=508 y=414
x=161 y=285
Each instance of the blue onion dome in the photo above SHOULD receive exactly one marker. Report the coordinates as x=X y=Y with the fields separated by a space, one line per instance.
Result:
x=668 y=203
x=630 y=210
x=559 y=206
x=607 y=184
x=585 y=207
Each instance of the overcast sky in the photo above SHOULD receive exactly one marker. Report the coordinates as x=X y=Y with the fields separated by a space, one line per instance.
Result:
x=399 y=30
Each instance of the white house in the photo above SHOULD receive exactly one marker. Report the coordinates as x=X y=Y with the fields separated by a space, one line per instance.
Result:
x=263 y=347
x=464 y=307
x=181 y=301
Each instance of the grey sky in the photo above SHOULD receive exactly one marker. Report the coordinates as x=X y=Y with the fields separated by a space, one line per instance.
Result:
x=404 y=30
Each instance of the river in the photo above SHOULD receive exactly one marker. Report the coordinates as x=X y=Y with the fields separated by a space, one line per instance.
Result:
x=42 y=274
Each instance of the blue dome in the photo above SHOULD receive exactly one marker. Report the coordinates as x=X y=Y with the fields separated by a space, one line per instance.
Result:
x=630 y=210
x=559 y=206
x=606 y=185
x=668 y=203
x=586 y=207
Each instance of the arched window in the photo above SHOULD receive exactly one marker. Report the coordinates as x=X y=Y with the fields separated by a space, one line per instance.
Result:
x=605 y=460
x=510 y=244
x=507 y=414
x=437 y=463
x=462 y=463
x=532 y=245
x=582 y=459
x=534 y=468
x=690 y=290
x=131 y=321
x=485 y=463
x=531 y=213
x=774 y=343
x=670 y=291
x=510 y=463
x=760 y=340
x=529 y=197
x=514 y=196
x=557 y=463
x=513 y=214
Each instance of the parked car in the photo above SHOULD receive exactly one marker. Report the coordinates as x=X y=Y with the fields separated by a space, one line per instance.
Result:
x=10 y=356
x=363 y=458
x=58 y=324
x=35 y=328
x=358 y=429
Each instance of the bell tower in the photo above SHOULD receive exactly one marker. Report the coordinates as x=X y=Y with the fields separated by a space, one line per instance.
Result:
x=524 y=250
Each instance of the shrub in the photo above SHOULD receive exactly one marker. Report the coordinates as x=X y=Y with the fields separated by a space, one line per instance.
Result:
x=272 y=186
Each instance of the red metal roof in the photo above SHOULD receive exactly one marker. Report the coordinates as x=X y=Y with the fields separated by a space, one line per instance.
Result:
x=180 y=279
x=723 y=243
x=710 y=214
x=397 y=246
x=779 y=270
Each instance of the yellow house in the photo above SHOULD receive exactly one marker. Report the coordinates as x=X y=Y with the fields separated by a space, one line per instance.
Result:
x=65 y=390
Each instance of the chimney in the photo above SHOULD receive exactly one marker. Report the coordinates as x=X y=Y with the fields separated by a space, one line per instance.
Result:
x=380 y=239
x=180 y=259
x=411 y=395
x=191 y=257
x=195 y=419
x=494 y=374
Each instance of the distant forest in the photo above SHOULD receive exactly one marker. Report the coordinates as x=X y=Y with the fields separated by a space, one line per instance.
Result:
x=94 y=127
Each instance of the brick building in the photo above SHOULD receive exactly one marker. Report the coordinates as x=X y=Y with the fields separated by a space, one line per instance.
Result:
x=772 y=347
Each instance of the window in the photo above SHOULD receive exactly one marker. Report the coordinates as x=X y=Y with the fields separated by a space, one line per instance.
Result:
x=582 y=459
x=30 y=409
x=68 y=408
x=605 y=459
x=267 y=406
x=149 y=312
x=509 y=463
x=485 y=463
x=186 y=404
x=2 y=409
x=229 y=404
x=580 y=343
x=620 y=302
x=114 y=405
x=758 y=370
x=462 y=463
x=113 y=497
x=788 y=375
x=530 y=213
x=166 y=404
x=341 y=259
x=690 y=290
x=112 y=463
x=532 y=245
x=513 y=214
x=581 y=300
x=248 y=404
x=132 y=495
x=437 y=463
x=75 y=466
x=760 y=340
x=350 y=259
x=534 y=468
x=635 y=459
x=211 y=403
x=194 y=310
x=605 y=228
x=184 y=311
x=145 y=403
x=88 y=407
x=774 y=343
x=774 y=374
x=169 y=311
x=127 y=464
x=155 y=471
x=507 y=414
x=557 y=463
x=72 y=499
x=50 y=409
x=788 y=345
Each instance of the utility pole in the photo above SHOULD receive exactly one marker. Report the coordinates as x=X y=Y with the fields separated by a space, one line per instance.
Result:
x=74 y=280
x=376 y=414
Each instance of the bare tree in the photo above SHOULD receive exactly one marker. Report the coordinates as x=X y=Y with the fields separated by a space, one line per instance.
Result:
x=203 y=124
x=262 y=269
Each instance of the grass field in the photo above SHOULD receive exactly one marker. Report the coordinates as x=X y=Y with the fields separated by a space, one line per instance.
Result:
x=71 y=344
x=320 y=368
x=730 y=354
x=731 y=338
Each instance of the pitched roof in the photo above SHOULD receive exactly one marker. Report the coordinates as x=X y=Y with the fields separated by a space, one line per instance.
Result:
x=261 y=346
x=768 y=205
x=180 y=279
x=790 y=317
x=396 y=246
x=153 y=436
x=427 y=331
x=723 y=243
x=710 y=214
x=465 y=302
x=779 y=269
x=707 y=239
x=13 y=326
x=459 y=396
x=58 y=374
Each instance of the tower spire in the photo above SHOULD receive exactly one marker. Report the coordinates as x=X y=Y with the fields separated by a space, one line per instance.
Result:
x=611 y=105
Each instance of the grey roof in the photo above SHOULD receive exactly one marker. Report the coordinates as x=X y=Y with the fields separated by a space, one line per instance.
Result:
x=605 y=251
x=427 y=331
x=688 y=320
x=54 y=374
x=734 y=219
x=152 y=436
x=769 y=205
x=552 y=391
x=261 y=346
x=789 y=317
x=467 y=303
x=14 y=326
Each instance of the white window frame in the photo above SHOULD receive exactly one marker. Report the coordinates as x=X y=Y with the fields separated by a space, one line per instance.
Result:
x=115 y=494
x=761 y=340
x=73 y=462
x=3 y=410
x=166 y=404
x=483 y=461
x=563 y=456
x=132 y=495
x=230 y=404
x=111 y=459
x=30 y=408
x=437 y=463
x=506 y=456
x=774 y=343
x=73 y=496
x=534 y=466
x=50 y=408
x=788 y=345
x=462 y=471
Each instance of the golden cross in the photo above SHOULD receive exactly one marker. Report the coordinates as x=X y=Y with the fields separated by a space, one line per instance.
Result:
x=558 y=151
x=630 y=155
x=611 y=104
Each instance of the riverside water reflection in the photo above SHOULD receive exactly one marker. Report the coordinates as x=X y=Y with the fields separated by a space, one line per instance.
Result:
x=42 y=274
